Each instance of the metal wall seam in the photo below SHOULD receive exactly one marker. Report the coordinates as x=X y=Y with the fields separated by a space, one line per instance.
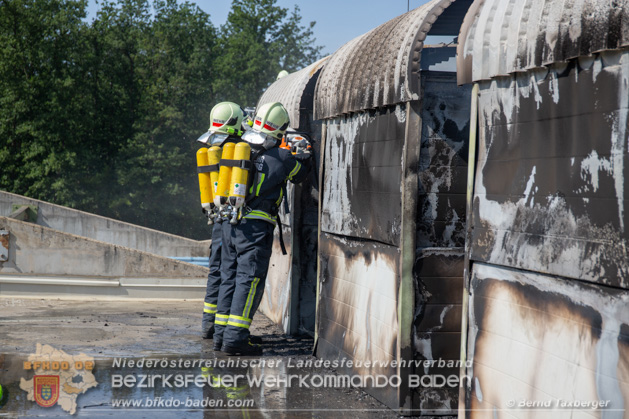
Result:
x=408 y=241
x=474 y=125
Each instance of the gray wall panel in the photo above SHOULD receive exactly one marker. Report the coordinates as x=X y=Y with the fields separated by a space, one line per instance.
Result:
x=550 y=185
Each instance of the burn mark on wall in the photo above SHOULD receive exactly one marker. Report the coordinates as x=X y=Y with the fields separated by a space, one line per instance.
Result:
x=571 y=331
x=438 y=269
x=550 y=189
x=308 y=280
x=358 y=305
x=308 y=205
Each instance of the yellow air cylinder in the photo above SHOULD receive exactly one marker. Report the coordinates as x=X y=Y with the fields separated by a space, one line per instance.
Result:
x=205 y=183
x=224 y=176
x=214 y=157
x=238 y=184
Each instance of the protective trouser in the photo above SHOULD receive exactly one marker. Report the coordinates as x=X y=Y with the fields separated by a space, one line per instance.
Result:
x=245 y=260
x=214 y=277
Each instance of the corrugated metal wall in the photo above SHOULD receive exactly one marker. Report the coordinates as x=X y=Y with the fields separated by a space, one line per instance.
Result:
x=391 y=206
x=295 y=92
x=549 y=289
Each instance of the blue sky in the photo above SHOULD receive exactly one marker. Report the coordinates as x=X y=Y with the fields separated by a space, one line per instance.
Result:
x=338 y=21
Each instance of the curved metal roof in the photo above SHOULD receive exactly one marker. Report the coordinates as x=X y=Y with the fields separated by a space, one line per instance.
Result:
x=291 y=89
x=380 y=67
x=500 y=37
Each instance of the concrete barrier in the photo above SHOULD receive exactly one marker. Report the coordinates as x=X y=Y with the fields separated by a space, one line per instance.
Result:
x=45 y=262
x=105 y=229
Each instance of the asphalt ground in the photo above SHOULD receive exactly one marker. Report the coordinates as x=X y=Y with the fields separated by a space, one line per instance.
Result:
x=140 y=358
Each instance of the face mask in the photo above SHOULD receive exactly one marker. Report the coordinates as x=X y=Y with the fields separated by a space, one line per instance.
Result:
x=204 y=138
x=212 y=139
x=259 y=139
x=218 y=138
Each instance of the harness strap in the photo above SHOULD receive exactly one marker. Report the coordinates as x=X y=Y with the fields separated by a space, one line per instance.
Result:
x=243 y=164
x=285 y=199
x=281 y=236
x=206 y=169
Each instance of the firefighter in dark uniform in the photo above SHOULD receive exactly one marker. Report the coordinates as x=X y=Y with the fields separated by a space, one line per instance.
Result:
x=247 y=246
x=226 y=120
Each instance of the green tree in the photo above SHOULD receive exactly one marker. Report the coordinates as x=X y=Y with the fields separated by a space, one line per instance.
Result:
x=169 y=66
x=259 y=40
x=103 y=116
x=41 y=47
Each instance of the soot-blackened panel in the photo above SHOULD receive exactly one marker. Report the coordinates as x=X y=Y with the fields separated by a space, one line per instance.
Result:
x=308 y=205
x=550 y=190
x=438 y=276
x=443 y=162
x=363 y=166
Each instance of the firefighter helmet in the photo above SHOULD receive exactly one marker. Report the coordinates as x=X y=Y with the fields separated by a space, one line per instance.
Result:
x=225 y=119
x=269 y=125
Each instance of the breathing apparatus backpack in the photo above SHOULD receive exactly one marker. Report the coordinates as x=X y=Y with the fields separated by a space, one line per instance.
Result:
x=207 y=168
x=225 y=176
x=235 y=174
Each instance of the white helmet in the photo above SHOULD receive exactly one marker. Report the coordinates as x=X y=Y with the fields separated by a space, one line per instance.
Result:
x=269 y=126
x=226 y=119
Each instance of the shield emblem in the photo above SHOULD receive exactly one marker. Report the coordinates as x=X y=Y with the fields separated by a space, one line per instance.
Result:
x=46 y=389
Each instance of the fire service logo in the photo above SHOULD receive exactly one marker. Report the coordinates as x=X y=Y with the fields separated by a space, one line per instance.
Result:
x=46 y=389
x=59 y=378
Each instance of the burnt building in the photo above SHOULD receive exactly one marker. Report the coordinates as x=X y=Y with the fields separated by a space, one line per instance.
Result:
x=390 y=127
x=547 y=296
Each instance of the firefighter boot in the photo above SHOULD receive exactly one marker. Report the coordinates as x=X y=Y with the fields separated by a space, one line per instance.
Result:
x=207 y=329
x=243 y=349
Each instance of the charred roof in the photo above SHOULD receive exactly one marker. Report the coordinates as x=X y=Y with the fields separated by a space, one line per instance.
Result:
x=500 y=37
x=382 y=67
